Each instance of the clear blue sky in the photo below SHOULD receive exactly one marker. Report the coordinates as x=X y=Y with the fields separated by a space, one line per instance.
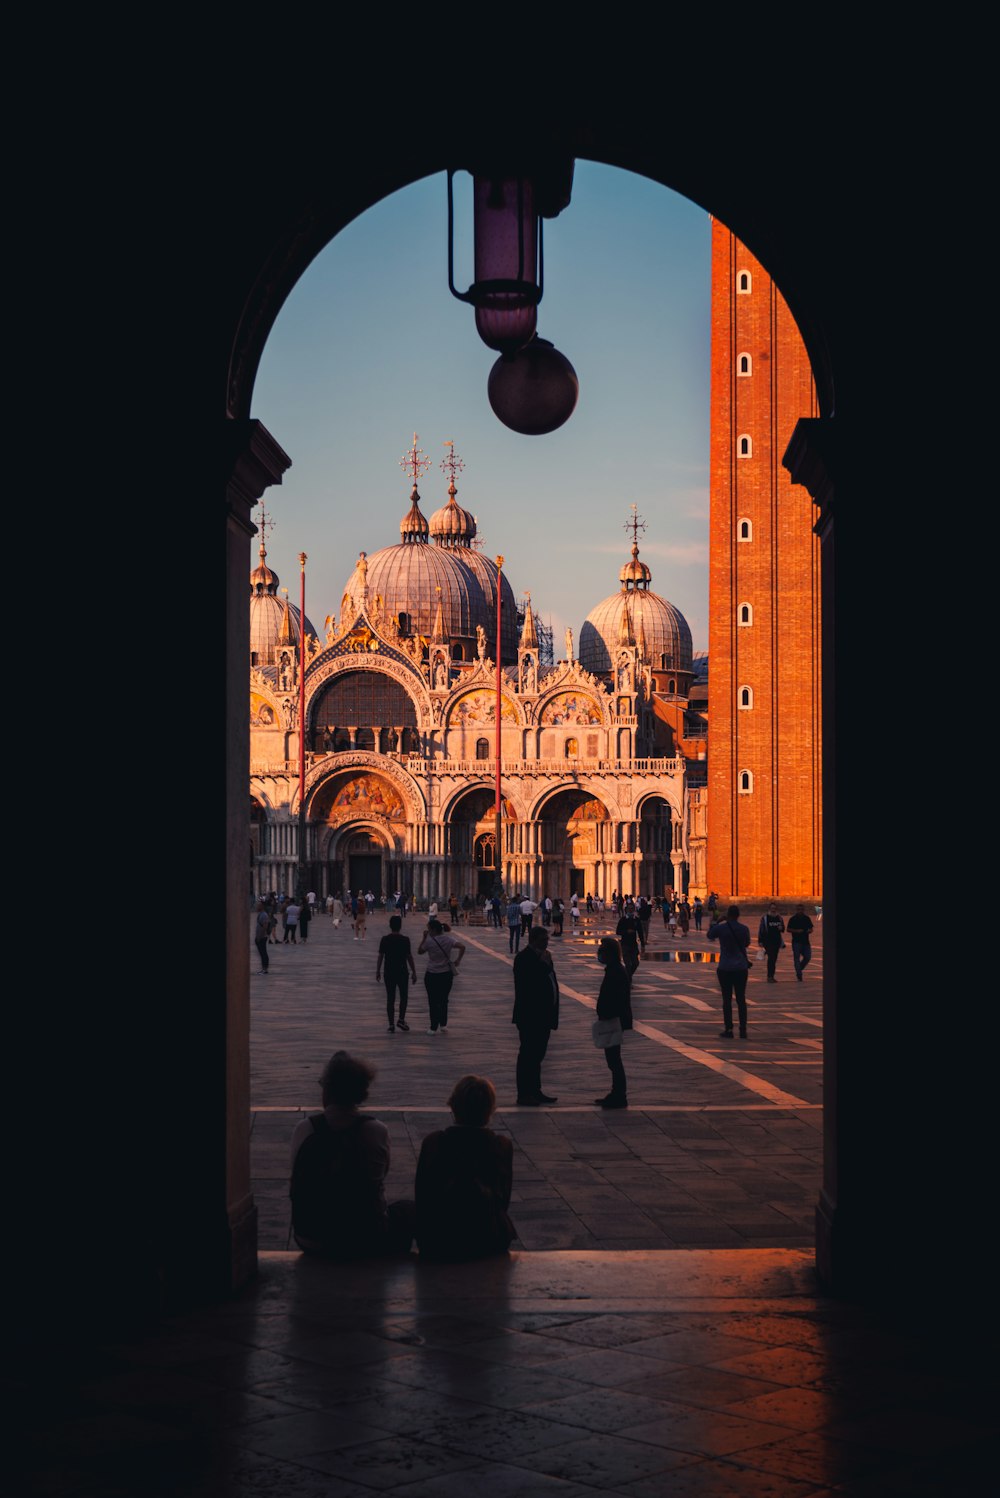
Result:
x=371 y=347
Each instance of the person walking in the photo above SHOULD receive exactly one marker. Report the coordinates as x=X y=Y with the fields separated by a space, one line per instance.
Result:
x=698 y=911
x=453 y=909
x=574 y=910
x=361 y=920
x=514 y=922
x=438 y=944
x=527 y=914
x=799 y=929
x=769 y=935
x=684 y=916
x=557 y=916
x=536 y=1015
x=614 y=1006
x=261 y=928
x=305 y=916
x=291 y=921
x=733 y=968
x=395 y=953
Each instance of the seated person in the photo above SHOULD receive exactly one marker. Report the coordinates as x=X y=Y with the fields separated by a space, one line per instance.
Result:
x=464 y=1179
x=340 y=1159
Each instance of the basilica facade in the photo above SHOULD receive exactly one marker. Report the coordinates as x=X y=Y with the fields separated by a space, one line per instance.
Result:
x=408 y=717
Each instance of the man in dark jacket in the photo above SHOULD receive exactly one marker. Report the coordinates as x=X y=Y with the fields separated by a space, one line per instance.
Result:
x=769 y=936
x=536 y=1015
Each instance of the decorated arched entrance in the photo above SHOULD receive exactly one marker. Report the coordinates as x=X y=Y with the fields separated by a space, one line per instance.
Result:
x=360 y=818
x=575 y=842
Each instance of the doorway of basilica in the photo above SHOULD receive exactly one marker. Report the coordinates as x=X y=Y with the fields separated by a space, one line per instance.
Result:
x=364 y=864
x=573 y=841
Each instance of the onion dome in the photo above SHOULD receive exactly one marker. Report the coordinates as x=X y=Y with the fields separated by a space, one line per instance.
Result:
x=635 y=613
x=635 y=574
x=451 y=525
x=413 y=526
x=262 y=579
x=273 y=620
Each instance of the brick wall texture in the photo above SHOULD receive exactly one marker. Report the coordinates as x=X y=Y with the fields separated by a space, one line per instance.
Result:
x=766 y=843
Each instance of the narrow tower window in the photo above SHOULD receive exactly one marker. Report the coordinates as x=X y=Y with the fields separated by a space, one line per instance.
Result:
x=744 y=530
x=746 y=782
x=744 y=283
x=745 y=614
x=744 y=365
x=482 y=748
x=746 y=447
x=746 y=697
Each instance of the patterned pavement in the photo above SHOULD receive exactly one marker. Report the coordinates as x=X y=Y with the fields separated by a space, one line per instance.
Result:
x=719 y=1148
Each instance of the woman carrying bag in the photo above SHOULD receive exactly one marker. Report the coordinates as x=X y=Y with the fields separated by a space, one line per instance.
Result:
x=614 y=1016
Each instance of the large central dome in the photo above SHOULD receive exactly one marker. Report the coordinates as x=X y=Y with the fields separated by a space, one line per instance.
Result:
x=635 y=614
x=410 y=581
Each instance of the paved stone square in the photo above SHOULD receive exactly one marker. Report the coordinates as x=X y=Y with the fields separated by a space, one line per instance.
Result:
x=720 y=1146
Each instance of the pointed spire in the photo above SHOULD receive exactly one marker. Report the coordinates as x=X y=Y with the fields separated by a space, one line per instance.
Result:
x=641 y=642
x=529 y=637
x=437 y=635
x=287 y=635
x=625 y=636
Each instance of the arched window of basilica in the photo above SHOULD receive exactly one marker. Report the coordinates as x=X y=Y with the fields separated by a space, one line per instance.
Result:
x=365 y=700
x=744 y=365
x=482 y=748
x=744 y=530
x=745 y=614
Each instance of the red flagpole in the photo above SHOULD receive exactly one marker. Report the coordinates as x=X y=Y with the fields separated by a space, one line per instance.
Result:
x=498 y=855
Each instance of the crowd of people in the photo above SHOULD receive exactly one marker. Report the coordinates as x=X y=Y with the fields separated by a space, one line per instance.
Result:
x=340 y=1157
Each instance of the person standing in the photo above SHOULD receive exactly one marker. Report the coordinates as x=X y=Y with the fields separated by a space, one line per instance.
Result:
x=514 y=921
x=800 y=929
x=547 y=911
x=453 y=909
x=574 y=910
x=631 y=936
x=770 y=938
x=291 y=921
x=261 y=928
x=698 y=911
x=733 y=968
x=644 y=913
x=527 y=914
x=361 y=919
x=557 y=916
x=684 y=916
x=614 y=1002
x=337 y=911
x=395 y=953
x=536 y=1015
x=495 y=909
x=438 y=945
x=305 y=916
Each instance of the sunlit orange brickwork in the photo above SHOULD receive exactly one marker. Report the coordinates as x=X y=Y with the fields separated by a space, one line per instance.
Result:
x=764 y=841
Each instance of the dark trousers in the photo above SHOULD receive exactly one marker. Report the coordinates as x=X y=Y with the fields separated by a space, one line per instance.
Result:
x=261 y=944
x=438 y=986
x=526 y=923
x=392 y=982
x=290 y=933
x=772 y=951
x=515 y=937
x=801 y=955
x=613 y=1056
x=534 y=1044
x=733 y=983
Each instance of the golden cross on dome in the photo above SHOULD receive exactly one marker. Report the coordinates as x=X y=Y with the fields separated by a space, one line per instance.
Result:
x=415 y=461
x=452 y=464
x=635 y=525
x=264 y=524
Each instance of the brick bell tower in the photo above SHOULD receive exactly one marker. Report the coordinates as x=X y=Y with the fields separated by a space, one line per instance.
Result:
x=764 y=756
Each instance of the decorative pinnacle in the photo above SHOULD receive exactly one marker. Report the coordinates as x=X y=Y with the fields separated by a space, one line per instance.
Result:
x=415 y=462
x=451 y=465
x=635 y=525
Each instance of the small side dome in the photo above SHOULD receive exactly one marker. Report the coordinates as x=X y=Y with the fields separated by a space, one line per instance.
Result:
x=414 y=526
x=451 y=525
x=635 y=574
x=262 y=579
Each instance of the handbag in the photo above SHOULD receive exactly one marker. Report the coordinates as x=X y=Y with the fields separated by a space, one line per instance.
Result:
x=607 y=1032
